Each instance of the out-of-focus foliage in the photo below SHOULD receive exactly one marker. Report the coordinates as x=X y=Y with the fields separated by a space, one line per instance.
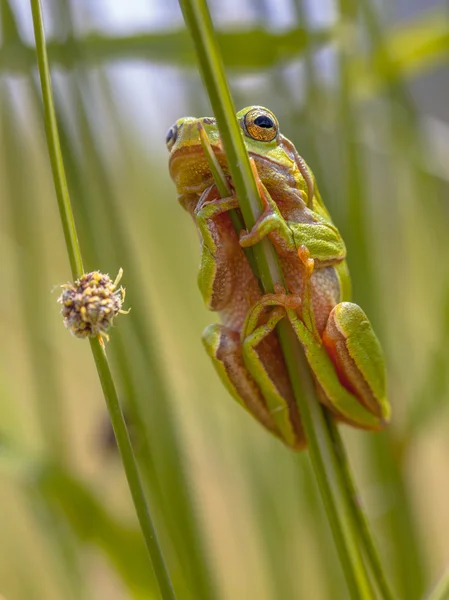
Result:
x=363 y=94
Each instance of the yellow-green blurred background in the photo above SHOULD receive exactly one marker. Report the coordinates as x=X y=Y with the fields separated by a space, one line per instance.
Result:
x=362 y=88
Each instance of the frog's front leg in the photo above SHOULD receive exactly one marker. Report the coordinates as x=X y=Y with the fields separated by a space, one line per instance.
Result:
x=268 y=396
x=218 y=243
x=321 y=237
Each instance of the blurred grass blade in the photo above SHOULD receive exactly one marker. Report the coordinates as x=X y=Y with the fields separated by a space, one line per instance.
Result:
x=416 y=46
x=356 y=232
x=249 y=49
x=404 y=139
x=26 y=227
x=25 y=224
x=431 y=399
x=93 y=524
x=27 y=231
x=311 y=110
x=441 y=592
x=57 y=166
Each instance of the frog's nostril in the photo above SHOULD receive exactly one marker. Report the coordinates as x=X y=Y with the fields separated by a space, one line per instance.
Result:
x=171 y=136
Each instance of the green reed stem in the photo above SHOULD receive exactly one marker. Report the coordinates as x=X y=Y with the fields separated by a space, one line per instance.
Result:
x=97 y=347
x=322 y=454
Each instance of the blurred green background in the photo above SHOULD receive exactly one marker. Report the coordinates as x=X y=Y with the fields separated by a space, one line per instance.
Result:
x=362 y=89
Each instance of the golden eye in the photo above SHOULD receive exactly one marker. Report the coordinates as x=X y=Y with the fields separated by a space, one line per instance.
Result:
x=261 y=125
x=172 y=134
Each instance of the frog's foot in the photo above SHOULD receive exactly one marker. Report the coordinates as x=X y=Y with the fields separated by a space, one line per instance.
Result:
x=307 y=261
x=210 y=206
x=307 y=313
x=280 y=300
x=270 y=221
x=225 y=349
x=357 y=357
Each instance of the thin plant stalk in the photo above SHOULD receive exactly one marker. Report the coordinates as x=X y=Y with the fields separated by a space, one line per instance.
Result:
x=324 y=459
x=97 y=347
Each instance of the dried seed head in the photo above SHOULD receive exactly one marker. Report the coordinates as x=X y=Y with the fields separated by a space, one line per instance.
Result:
x=91 y=303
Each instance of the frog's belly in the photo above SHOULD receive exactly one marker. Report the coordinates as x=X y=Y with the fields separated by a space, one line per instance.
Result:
x=245 y=292
x=245 y=289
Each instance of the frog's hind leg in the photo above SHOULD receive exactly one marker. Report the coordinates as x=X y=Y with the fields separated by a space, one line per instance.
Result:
x=357 y=356
x=263 y=358
x=225 y=349
x=332 y=392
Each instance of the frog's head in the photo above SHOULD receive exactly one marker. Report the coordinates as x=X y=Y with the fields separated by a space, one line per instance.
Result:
x=272 y=152
x=189 y=168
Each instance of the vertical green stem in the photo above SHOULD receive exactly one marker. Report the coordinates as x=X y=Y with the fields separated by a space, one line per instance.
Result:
x=98 y=351
x=324 y=459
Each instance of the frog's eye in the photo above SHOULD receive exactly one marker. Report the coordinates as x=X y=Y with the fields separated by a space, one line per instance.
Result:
x=172 y=134
x=261 y=125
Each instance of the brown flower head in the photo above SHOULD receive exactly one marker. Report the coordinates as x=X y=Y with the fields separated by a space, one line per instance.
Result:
x=90 y=304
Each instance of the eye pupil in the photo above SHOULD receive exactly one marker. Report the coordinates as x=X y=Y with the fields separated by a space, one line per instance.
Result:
x=263 y=121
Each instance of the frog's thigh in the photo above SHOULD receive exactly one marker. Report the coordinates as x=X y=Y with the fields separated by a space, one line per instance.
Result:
x=357 y=355
x=263 y=357
x=225 y=349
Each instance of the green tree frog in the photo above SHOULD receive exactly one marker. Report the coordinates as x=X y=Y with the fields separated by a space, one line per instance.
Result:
x=340 y=345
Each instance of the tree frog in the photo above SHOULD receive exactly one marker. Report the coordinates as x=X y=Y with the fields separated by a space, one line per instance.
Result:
x=340 y=345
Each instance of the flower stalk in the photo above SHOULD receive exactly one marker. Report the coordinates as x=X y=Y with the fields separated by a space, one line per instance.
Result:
x=96 y=343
